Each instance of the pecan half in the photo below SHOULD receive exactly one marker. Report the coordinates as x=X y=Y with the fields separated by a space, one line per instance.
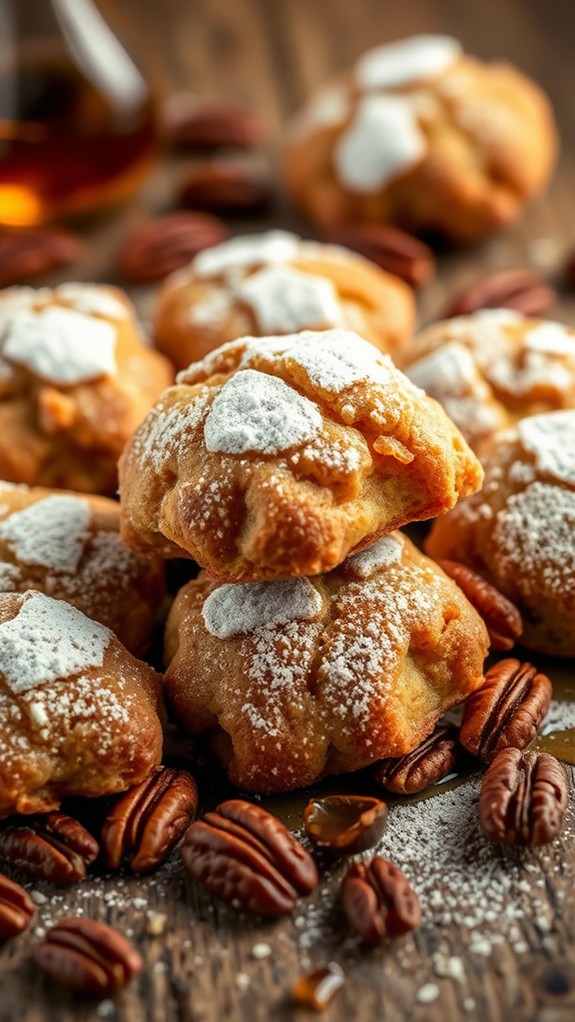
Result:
x=146 y=823
x=87 y=956
x=569 y=271
x=168 y=243
x=31 y=253
x=436 y=757
x=506 y=711
x=51 y=847
x=246 y=856
x=16 y=908
x=378 y=900
x=501 y=617
x=215 y=125
x=393 y=250
x=227 y=189
x=522 y=290
x=523 y=798
x=345 y=823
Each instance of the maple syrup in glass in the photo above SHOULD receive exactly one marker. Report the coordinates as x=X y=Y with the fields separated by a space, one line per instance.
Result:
x=78 y=126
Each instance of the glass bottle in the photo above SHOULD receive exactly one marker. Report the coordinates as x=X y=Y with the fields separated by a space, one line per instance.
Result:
x=78 y=126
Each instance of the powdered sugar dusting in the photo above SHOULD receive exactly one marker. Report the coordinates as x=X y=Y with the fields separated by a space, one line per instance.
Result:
x=256 y=412
x=61 y=345
x=92 y=299
x=236 y=609
x=533 y=540
x=450 y=375
x=379 y=555
x=551 y=440
x=167 y=430
x=245 y=251
x=552 y=338
x=48 y=640
x=333 y=359
x=382 y=141
x=285 y=300
x=50 y=532
x=410 y=60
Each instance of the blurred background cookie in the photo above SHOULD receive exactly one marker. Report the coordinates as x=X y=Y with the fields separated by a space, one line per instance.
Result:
x=68 y=546
x=76 y=378
x=279 y=456
x=330 y=673
x=518 y=530
x=492 y=368
x=275 y=283
x=421 y=135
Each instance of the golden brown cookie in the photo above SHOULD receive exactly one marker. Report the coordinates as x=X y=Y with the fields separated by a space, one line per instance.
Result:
x=275 y=283
x=76 y=378
x=295 y=679
x=493 y=368
x=421 y=135
x=279 y=456
x=519 y=530
x=68 y=546
x=78 y=713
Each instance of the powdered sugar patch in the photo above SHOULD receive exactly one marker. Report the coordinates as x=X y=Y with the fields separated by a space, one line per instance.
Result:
x=256 y=412
x=50 y=532
x=48 y=640
x=61 y=345
x=236 y=609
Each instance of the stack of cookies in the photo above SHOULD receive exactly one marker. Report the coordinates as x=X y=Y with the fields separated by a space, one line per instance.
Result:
x=317 y=639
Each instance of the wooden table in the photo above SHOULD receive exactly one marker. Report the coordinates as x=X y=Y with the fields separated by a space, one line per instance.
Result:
x=517 y=962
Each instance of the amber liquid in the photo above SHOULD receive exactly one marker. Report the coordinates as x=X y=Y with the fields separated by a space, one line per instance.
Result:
x=65 y=147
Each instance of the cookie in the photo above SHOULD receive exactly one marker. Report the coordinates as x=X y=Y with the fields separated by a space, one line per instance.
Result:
x=79 y=715
x=421 y=135
x=76 y=379
x=518 y=530
x=276 y=457
x=275 y=283
x=295 y=679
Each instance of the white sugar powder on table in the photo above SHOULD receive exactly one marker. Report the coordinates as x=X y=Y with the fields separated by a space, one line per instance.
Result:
x=256 y=412
x=51 y=532
x=48 y=640
x=245 y=607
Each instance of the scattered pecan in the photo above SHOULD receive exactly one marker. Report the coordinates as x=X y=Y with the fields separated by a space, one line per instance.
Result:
x=51 y=847
x=227 y=189
x=501 y=617
x=246 y=856
x=378 y=900
x=318 y=988
x=523 y=798
x=215 y=125
x=522 y=290
x=436 y=757
x=166 y=244
x=570 y=269
x=16 y=908
x=345 y=823
x=35 y=252
x=145 y=823
x=87 y=956
x=506 y=711
x=393 y=250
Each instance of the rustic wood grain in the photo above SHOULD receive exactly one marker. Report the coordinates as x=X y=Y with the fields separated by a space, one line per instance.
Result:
x=269 y=54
